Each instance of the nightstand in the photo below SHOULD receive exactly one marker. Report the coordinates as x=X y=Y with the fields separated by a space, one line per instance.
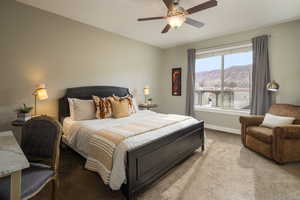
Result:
x=17 y=124
x=147 y=106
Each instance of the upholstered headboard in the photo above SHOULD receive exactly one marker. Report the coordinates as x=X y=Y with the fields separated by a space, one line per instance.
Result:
x=86 y=93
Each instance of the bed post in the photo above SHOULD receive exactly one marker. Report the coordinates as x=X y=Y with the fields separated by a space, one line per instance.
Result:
x=142 y=169
x=126 y=192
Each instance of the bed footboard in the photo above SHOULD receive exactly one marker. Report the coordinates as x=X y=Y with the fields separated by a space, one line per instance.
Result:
x=149 y=162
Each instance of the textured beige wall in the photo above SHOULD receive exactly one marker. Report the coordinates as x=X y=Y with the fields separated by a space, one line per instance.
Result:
x=40 y=47
x=284 y=61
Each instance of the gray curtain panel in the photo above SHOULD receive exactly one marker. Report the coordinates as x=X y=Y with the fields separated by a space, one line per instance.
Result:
x=189 y=107
x=261 y=99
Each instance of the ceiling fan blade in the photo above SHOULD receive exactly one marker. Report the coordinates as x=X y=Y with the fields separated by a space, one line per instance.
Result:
x=203 y=6
x=150 y=18
x=166 y=29
x=169 y=4
x=194 y=23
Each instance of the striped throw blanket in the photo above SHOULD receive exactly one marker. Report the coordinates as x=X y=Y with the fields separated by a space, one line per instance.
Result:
x=102 y=143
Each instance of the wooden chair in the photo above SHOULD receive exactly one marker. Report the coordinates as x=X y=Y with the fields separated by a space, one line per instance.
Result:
x=40 y=143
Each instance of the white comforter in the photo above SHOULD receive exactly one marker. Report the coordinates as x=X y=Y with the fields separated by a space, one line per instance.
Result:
x=76 y=134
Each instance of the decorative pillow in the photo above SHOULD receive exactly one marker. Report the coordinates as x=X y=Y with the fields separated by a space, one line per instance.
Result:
x=71 y=108
x=81 y=109
x=133 y=94
x=272 y=121
x=103 y=107
x=135 y=104
x=131 y=105
x=120 y=107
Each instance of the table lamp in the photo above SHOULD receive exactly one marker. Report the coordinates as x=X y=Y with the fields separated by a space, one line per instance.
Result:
x=39 y=93
x=146 y=92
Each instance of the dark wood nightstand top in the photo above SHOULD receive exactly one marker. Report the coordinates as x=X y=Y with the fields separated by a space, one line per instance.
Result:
x=148 y=106
x=18 y=123
x=21 y=123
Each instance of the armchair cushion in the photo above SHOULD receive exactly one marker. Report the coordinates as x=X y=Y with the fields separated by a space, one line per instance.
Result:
x=263 y=134
x=33 y=178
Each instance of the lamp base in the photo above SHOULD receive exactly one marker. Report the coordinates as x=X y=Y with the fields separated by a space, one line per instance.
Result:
x=35 y=95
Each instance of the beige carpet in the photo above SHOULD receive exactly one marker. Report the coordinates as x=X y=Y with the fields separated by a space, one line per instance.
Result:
x=227 y=171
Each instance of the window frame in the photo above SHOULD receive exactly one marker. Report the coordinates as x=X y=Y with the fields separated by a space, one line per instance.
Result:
x=223 y=52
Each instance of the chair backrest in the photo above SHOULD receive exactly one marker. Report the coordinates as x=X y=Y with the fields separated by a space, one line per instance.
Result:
x=286 y=110
x=41 y=139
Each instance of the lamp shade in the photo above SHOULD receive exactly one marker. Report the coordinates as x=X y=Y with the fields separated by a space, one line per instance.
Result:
x=273 y=86
x=146 y=90
x=41 y=92
x=176 y=21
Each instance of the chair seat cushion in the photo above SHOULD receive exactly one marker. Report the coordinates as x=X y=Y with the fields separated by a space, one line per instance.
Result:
x=33 y=178
x=263 y=134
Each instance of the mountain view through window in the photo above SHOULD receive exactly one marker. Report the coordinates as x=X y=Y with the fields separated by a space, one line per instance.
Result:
x=224 y=80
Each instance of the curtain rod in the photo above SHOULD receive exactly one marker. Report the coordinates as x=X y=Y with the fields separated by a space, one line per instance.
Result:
x=226 y=44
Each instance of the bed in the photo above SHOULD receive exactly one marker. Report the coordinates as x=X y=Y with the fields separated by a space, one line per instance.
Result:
x=148 y=156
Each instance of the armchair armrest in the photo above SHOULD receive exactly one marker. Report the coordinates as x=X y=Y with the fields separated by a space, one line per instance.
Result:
x=287 y=132
x=286 y=140
x=254 y=120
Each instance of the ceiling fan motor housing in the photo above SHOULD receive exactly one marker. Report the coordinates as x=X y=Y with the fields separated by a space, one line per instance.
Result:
x=176 y=11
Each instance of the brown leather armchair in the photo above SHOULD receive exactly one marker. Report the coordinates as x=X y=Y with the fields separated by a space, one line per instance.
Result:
x=281 y=143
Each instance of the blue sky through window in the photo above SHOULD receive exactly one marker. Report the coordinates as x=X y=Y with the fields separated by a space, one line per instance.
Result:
x=214 y=62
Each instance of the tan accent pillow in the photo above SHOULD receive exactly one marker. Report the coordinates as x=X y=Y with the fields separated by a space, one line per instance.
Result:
x=131 y=105
x=81 y=109
x=103 y=107
x=120 y=107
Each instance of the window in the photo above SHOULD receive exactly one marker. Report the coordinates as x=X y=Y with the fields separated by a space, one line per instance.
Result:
x=223 y=78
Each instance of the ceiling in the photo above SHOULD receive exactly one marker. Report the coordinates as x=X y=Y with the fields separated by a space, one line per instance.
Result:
x=120 y=16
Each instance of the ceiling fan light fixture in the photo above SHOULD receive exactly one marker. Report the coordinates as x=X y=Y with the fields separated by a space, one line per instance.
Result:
x=176 y=21
x=176 y=15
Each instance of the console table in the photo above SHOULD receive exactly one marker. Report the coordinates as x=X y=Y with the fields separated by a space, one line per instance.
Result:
x=12 y=162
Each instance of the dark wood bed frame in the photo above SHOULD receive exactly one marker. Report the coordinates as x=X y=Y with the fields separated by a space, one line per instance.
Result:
x=148 y=162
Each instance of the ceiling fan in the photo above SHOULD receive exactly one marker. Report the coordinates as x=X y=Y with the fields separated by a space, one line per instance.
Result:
x=176 y=15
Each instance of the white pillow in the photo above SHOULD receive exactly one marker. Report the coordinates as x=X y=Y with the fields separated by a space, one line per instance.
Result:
x=82 y=109
x=272 y=121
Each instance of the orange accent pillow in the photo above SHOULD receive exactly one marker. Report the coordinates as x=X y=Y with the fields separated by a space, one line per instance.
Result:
x=120 y=107
x=130 y=102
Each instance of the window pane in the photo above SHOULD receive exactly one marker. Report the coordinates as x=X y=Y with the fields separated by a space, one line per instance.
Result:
x=208 y=81
x=237 y=80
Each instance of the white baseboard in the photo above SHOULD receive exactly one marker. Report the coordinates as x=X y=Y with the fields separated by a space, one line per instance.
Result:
x=221 y=128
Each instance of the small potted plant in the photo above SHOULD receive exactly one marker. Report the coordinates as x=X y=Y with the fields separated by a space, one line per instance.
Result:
x=23 y=113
